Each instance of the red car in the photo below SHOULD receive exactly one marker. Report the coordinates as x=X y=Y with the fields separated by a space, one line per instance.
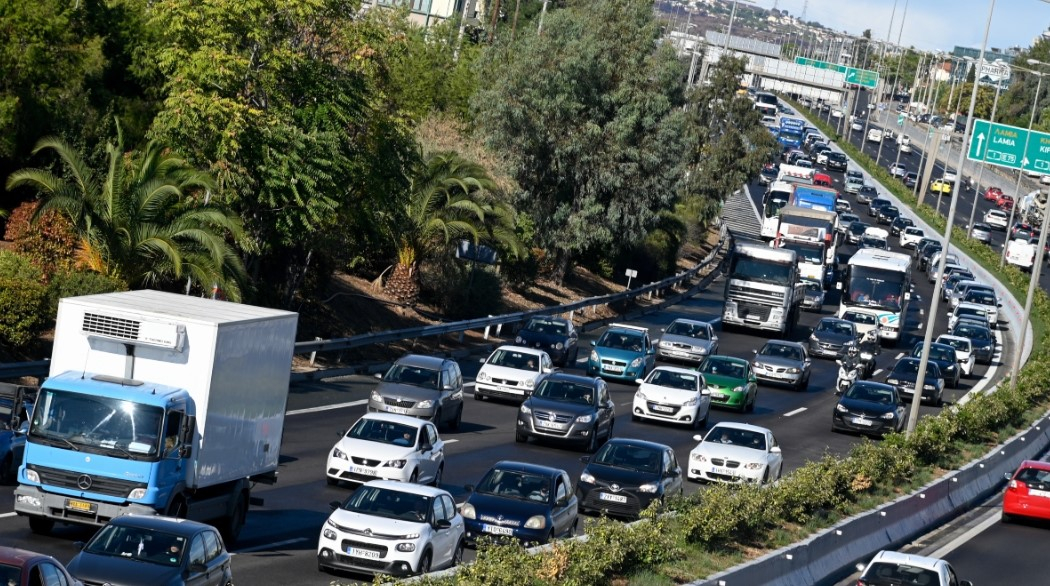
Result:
x=822 y=179
x=21 y=567
x=992 y=194
x=1005 y=202
x=1028 y=492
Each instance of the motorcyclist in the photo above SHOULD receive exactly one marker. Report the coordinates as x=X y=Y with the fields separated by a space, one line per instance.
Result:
x=869 y=344
x=851 y=360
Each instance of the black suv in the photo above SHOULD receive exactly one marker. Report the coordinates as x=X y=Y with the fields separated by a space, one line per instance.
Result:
x=836 y=161
x=569 y=408
x=875 y=204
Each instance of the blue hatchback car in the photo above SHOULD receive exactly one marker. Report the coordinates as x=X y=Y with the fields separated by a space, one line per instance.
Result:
x=623 y=352
x=527 y=502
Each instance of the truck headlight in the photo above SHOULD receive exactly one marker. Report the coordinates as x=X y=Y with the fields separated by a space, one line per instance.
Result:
x=536 y=522
x=467 y=511
x=32 y=476
x=138 y=493
x=337 y=453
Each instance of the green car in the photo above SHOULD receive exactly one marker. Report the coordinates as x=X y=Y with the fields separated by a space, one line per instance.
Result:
x=731 y=381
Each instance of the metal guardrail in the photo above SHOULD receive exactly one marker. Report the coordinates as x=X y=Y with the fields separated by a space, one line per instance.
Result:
x=40 y=368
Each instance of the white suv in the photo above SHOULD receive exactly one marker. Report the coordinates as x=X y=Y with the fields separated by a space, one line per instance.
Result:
x=392 y=528
x=891 y=568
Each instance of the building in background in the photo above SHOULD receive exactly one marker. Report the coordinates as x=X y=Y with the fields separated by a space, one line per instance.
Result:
x=428 y=12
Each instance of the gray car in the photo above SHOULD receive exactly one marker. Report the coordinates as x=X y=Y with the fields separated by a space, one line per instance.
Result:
x=783 y=362
x=866 y=193
x=832 y=337
x=814 y=295
x=428 y=387
x=981 y=233
x=687 y=340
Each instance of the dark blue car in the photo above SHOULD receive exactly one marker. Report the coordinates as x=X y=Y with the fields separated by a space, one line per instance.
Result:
x=530 y=503
x=554 y=335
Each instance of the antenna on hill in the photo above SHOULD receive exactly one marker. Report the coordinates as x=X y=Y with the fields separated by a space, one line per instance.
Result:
x=775 y=2
x=805 y=6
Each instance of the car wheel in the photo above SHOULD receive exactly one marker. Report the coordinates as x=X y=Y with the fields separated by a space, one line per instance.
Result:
x=436 y=482
x=1006 y=518
x=574 y=529
x=635 y=417
x=437 y=418
x=609 y=433
x=765 y=477
x=424 y=564
x=550 y=536
x=750 y=407
x=707 y=417
x=457 y=554
x=477 y=394
x=414 y=479
x=41 y=525
x=331 y=481
x=454 y=424
x=520 y=437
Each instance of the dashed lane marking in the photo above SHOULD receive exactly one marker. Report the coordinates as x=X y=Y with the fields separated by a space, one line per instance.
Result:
x=795 y=412
x=328 y=407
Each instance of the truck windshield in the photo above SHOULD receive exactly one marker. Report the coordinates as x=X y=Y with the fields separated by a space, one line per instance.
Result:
x=747 y=268
x=807 y=253
x=772 y=207
x=105 y=424
x=875 y=288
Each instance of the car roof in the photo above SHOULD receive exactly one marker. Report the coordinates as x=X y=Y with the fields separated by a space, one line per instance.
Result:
x=627 y=328
x=552 y=318
x=738 y=425
x=519 y=466
x=522 y=349
x=630 y=441
x=694 y=322
x=1037 y=464
x=784 y=343
x=574 y=378
x=173 y=525
x=422 y=360
x=395 y=418
x=676 y=369
x=952 y=337
x=874 y=384
x=834 y=320
x=409 y=487
x=729 y=358
x=974 y=306
x=907 y=559
x=19 y=557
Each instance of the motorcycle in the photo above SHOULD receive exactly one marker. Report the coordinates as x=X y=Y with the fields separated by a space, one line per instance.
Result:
x=869 y=348
x=848 y=376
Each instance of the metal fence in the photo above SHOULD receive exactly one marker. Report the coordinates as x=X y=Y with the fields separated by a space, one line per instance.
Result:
x=40 y=368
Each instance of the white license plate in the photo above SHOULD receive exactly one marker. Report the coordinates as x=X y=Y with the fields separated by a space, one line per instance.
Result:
x=719 y=397
x=1042 y=493
x=363 y=471
x=609 y=368
x=503 y=389
x=616 y=498
x=399 y=410
x=363 y=553
x=862 y=421
x=496 y=529
x=722 y=471
x=663 y=409
x=550 y=424
x=677 y=353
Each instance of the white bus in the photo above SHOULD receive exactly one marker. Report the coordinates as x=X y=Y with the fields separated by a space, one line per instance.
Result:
x=878 y=283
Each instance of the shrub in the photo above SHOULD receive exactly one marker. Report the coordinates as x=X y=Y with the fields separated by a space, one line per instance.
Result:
x=815 y=488
x=450 y=285
x=75 y=283
x=50 y=243
x=891 y=461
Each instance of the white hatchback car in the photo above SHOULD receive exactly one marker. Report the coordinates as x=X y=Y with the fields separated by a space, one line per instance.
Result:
x=390 y=447
x=392 y=528
x=511 y=372
x=736 y=452
x=910 y=236
x=963 y=351
x=677 y=395
x=997 y=219
x=891 y=567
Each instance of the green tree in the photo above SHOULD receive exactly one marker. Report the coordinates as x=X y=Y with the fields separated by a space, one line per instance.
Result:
x=146 y=219
x=449 y=198
x=590 y=116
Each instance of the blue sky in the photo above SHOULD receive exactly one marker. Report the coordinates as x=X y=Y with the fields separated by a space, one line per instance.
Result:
x=930 y=24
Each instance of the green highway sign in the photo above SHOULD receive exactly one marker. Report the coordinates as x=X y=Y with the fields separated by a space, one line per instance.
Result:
x=1009 y=146
x=864 y=77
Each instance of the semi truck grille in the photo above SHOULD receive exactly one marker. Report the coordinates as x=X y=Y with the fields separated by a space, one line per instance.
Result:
x=77 y=481
x=753 y=310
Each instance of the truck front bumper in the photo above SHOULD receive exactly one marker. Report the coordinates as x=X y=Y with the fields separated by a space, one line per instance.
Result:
x=34 y=502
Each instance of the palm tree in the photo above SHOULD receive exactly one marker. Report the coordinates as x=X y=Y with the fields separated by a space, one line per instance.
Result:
x=149 y=220
x=449 y=198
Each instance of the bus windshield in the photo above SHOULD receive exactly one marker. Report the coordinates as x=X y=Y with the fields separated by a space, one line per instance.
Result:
x=877 y=288
x=763 y=271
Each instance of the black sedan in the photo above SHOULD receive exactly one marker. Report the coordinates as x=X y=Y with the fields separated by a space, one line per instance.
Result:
x=869 y=408
x=528 y=502
x=943 y=356
x=855 y=231
x=887 y=214
x=555 y=335
x=980 y=336
x=875 y=205
x=626 y=476
x=906 y=373
x=568 y=408
x=899 y=224
x=152 y=550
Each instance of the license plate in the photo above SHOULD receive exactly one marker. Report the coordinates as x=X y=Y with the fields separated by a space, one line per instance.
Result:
x=550 y=424
x=1042 y=493
x=503 y=389
x=398 y=410
x=363 y=553
x=363 y=471
x=496 y=529
x=616 y=498
x=663 y=409
x=862 y=421
x=678 y=353
x=719 y=396
x=722 y=471
x=80 y=506
x=610 y=368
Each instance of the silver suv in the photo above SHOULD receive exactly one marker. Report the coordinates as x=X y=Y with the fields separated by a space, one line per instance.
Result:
x=428 y=387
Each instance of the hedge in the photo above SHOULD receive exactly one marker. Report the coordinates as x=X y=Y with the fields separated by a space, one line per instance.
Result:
x=713 y=529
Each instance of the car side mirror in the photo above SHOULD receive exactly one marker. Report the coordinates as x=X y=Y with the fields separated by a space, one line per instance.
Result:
x=442 y=524
x=838 y=285
x=859 y=567
x=547 y=370
x=379 y=375
x=705 y=392
x=655 y=342
x=562 y=502
x=638 y=381
x=594 y=342
x=426 y=446
x=335 y=505
x=585 y=459
x=998 y=304
x=663 y=329
x=698 y=437
x=185 y=451
x=79 y=545
x=1008 y=476
x=774 y=450
x=482 y=360
x=198 y=568
x=838 y=391
x=755 y=352
x=714 y=338
x=468 y=487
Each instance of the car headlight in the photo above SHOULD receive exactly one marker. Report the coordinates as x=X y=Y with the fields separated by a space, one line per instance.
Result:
x=640 y=396
x=650 y=487
x=584 y=418
x=697 y=457
x=929 y=387
x=587 y=477
x=636 y=362
x=525 y=409
x=518 y=340
x=529 y=383
x=337 y=453
x=425 y=404
x=892 y=381
x=399 y=464
x=889 y=415
x=536 y=522
x=738 y=389
x=594 y=356
x=376 y=396
x=794 y=370
x=559 y=346
x=702 y=350
x=467 y=511
x=813 y=338
x=691 y=402
x=840 y=408
x=406 y=547
x=484 y=377
x=328 y=534
x=754 y=465
x=136 y=494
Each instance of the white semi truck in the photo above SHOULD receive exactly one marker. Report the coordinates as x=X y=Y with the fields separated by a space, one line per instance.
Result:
x=157 y=403
x=763 y=289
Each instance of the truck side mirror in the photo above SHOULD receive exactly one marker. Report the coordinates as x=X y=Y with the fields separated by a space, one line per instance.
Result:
x=185 y=451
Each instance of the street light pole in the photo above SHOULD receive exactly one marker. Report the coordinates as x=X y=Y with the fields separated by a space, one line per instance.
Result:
x=920 y=381
x=980 y=170
x=1017 y=186
x=882 y=55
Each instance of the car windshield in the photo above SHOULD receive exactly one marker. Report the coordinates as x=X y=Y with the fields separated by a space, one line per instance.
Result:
x=858 y=228
x=875 y=394
x=516 y=484
x=835 y=327
x=629 y=457
x=973 y=332
x=960 y=344
x=936 y=353
x=389 y=503
x=888 y=573
x=416 y=376
x=982 y=297
x=621 y=340
x=155 y=547
x=1033 y=475
x=547 y=326
x=781 y=351
x=971 y=311
x=673 y=379
x=722 y=367
x=515 y=359
x=10 y=575
x=746 y=438
x=560 y=390
x=872 y=241
x=383 y=432
x=691 y=330
x=910 y=368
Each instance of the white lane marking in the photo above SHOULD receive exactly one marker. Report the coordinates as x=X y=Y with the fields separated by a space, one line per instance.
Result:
x=450 y=441
x=877 y=371
x=328 y=407
x=268 y=546
x=470 y=384
x=993 y=518
x=627 y=403
x=795 y=412
x=5 y=515
x=899 y=356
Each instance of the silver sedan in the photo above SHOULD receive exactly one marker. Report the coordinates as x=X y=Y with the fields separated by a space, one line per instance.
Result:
x=687 y=340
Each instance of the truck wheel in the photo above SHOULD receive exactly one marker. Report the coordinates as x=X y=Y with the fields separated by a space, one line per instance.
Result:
x=41 y=525
x=177 y=508
x=7 y=470
x=233 y=524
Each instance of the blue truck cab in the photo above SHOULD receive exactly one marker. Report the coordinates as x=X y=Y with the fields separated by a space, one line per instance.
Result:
x=16 y=403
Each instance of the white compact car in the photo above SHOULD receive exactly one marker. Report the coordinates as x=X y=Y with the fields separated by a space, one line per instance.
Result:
x=973 y=311
x=891 y=567
x=997 y=219
x=736 y=452
x=963 y=351
x=392 y=528
x=678 y=395
x=511 y=372
x=910 y=236
x=390 y=447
